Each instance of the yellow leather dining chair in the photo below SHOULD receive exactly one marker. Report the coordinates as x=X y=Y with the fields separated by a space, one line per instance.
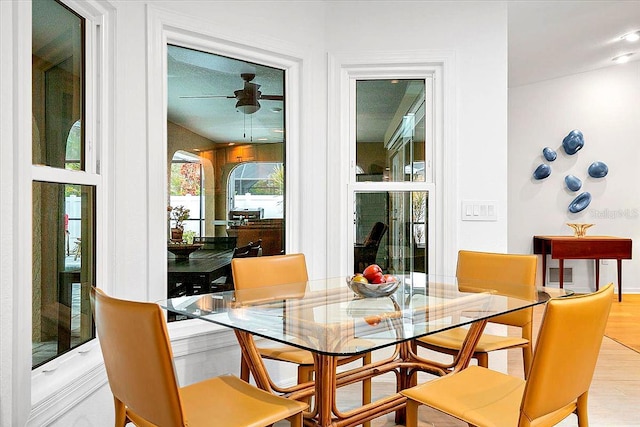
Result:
x=261 y=272
x=508 y=274
x=139 y=363
x=558 y=385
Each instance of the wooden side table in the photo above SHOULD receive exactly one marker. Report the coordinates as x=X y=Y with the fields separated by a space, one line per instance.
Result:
x=587 y=247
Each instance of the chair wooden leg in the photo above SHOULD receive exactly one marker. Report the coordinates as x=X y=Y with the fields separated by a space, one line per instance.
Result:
x=527 y=357
x=483 y=359
x=121 y=413
x=581 y=410
x=412 y=413
x=244 y=369
x=296 y=420
x=366 y=387
x=305 y=373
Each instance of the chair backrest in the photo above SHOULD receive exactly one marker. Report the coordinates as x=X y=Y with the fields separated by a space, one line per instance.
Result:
x=138 y=358
x=566 y=352
x=508 y=274
x=251 y=249
x=272 y=270
x=375 y=235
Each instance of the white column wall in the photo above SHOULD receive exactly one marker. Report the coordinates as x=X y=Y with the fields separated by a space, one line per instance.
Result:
x=604 y=105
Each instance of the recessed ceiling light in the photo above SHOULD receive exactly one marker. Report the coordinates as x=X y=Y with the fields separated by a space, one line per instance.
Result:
x=278 y=131
x=631 y=37
x=622 y=58
x=276 y=109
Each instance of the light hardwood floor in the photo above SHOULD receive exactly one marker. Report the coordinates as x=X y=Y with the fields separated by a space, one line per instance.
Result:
x=614 y=393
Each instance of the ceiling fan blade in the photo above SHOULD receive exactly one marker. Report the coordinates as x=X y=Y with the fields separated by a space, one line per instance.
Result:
x=206 y=96
x=272 y=97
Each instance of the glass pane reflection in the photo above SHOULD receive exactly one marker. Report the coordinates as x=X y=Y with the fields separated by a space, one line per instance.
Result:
x=391 y=230
x=63 y=268
x=390 y=130
x=58 y=86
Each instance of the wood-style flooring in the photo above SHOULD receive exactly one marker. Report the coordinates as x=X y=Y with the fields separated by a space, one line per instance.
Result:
x=624 y=321
x=615 y=389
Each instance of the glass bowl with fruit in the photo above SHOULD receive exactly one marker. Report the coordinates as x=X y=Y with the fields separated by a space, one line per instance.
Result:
x=373 y=283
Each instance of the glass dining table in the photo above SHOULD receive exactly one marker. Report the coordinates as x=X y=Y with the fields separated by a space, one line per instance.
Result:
x=328 y=319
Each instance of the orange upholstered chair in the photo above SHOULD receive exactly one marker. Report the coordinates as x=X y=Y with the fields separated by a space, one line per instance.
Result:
x=558 y=385
x=139 y=363
x=507 y=274
x=262 y=272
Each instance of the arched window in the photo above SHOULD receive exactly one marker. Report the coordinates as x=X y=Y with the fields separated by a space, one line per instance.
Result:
x=256 y=187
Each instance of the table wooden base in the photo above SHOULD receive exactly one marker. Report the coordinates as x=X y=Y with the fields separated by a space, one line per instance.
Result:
x=324 y=412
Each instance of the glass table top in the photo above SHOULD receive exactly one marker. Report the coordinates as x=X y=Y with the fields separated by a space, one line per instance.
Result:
x=327 y=317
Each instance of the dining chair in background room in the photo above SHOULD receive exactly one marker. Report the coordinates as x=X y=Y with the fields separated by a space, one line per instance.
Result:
x=558 y=385
x=251 y=249
x=365 y=253
x=262 y=272
x=508 y=274
x=139 y=364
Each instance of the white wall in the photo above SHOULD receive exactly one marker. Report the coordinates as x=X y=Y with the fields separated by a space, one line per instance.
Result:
x=474 y=31
x=604 y=105
x=476 y=34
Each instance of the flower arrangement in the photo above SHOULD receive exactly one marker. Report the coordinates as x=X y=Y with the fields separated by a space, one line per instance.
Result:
x=179 y=214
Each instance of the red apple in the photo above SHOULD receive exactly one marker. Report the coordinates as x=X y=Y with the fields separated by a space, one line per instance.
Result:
x=377 y=279
x=390 y=278
x=372 y=271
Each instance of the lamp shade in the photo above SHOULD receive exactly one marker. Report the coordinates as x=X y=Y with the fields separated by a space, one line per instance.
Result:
x=247 y=107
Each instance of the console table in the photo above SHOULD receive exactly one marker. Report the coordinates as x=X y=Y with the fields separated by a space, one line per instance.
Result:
x=587 y=247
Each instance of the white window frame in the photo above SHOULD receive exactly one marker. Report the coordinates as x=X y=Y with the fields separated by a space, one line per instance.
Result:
x=344 y=70
x=41 y=395
x=165 y=27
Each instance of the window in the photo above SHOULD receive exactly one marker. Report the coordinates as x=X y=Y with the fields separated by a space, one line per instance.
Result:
x=257 y=187
x=64 y=195
x=392 y=183
x=185 y=189
x=226 y=133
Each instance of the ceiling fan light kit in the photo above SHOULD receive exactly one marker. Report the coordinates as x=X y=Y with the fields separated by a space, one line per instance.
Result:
x=246 y=106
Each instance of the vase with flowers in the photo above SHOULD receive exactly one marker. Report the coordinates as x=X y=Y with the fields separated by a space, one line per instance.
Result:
x=179 y=214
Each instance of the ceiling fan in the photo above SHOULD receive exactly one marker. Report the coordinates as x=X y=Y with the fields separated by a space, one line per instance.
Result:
x=247 y=97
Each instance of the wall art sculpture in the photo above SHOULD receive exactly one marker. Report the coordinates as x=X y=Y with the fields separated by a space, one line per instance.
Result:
x=598 y=170
x=542 y=171
x=580 y=203
x=573 y=182
x=549 y=154
x=572 y=143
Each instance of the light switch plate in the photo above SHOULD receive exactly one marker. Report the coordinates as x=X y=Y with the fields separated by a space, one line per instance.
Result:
x=479 y=210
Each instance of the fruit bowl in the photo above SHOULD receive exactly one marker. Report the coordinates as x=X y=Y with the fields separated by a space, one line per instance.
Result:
x=371 y=290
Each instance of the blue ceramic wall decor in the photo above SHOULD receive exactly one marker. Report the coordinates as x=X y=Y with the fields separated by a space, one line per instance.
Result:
x=549 y=154
x=542 y=171
x=580 y=203
x=573 y=182
x=573 y=142
x=598 y=170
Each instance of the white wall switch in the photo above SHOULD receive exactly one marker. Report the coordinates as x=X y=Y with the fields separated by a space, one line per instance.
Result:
x=480 y=210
